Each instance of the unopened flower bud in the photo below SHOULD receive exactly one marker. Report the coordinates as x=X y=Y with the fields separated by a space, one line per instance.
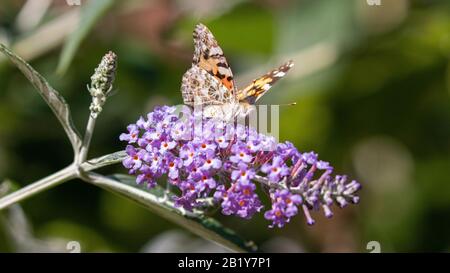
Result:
x=102 y=82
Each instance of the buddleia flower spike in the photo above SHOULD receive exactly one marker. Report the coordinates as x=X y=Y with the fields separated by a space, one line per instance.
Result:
x=102 y=82
x=227 y=168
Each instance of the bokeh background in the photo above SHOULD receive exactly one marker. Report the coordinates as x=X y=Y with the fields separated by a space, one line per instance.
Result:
x=372 y=84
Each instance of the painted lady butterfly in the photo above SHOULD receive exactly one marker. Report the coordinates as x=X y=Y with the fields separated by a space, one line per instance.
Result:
x=209 y=82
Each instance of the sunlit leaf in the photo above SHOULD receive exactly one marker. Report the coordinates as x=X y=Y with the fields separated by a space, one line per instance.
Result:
x=103 y=161
x=54 y=100
x=156 y=201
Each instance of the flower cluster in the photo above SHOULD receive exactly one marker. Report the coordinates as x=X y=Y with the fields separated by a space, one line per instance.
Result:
x=223 y=163
x=101 y=82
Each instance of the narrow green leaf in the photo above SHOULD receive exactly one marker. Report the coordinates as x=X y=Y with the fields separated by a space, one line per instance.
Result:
x=103 y=161
x=155 y=200
x=91 y=12
x=54 y=100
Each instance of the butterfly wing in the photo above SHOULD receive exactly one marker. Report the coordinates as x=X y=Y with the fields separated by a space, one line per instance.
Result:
x=261 y=85
x=198 y=87
x=209 y=56
x=209 y=81
x=201 y=89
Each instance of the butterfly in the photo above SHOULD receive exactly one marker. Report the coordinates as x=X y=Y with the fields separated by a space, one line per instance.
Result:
x=209 y=82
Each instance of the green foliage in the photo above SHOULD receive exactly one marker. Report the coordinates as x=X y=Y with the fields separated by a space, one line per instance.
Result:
x=54 y=100
x=197 y=223
x=91 y=12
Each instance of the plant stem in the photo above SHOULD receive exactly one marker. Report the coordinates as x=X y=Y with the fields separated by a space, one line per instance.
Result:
x=43 y=184
x=87 y=140
x=70 y=172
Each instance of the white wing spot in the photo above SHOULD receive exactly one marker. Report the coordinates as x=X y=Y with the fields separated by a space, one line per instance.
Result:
x=279 y=74
x=223 y=70
x=266 y=86
x=215 y=50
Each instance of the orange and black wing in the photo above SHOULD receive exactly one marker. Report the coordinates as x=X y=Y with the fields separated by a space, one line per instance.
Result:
x=261 y=85
x=209 y=56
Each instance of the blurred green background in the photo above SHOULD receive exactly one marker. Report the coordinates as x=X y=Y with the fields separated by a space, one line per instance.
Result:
x=372 y=84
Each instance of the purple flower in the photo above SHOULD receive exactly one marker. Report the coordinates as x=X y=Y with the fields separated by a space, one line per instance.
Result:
x=174 y=165
x=240 y=154
x=222 y=142
x=284 y=206
x=254 y=145
x=206 y=146
x=211 y=162
x=239 y=200
x=134 y=159
x=167 y=146
x=206 y=182
x=146 y=176
x=188 y=154
x=276 y=170
x=323 y=165
x=243 y=174
x=287 y=150
x=225 y=163
x=133 y=134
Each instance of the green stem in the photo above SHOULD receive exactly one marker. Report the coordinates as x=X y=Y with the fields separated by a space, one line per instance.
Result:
x=81 y=157
x=70 y=172
x=43 y=184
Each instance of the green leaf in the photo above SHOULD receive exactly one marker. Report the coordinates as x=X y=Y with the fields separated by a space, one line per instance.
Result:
x=156 y=201
x=91 y=12
x=103 y=161
x=54 y=100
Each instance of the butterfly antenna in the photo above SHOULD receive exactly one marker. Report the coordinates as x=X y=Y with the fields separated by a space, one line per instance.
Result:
x=289 y=104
